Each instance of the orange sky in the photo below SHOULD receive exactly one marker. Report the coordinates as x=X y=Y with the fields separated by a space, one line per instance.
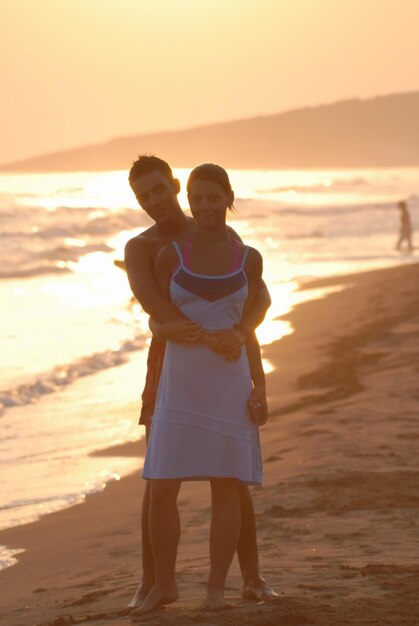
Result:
x=83 y=71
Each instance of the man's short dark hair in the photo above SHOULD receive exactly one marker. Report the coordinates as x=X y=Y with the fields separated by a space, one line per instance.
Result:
x=147 y=163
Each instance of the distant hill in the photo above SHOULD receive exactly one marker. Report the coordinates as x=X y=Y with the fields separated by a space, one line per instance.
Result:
x=377 y=132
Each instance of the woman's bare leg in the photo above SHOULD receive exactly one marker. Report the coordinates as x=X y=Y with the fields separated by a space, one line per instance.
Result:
x=224 y=536
x=254 y=586
x=164 y=529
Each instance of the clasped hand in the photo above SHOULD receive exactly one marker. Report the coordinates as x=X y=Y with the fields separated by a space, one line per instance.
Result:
x=226 y=343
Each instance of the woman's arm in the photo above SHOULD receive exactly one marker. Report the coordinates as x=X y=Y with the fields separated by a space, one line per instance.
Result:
x=255 y=315
x=258 y=405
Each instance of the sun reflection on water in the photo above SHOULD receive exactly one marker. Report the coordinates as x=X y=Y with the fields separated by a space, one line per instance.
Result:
x=273 y=329
x=77 y=243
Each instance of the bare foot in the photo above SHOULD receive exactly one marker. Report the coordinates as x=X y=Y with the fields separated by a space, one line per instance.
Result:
x=214 y=600
x=156 y=597
x=140 y=595
x=259 y=590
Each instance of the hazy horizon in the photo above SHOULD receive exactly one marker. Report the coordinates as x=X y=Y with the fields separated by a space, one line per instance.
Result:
x=82 y=73
x=203 y=125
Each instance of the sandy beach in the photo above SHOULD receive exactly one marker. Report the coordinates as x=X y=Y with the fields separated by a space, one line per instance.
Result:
x=338 y=513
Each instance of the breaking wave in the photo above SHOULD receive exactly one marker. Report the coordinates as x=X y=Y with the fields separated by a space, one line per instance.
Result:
x=64 y=375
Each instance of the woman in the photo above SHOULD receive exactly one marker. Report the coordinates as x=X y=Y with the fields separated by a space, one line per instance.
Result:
x=202 y=426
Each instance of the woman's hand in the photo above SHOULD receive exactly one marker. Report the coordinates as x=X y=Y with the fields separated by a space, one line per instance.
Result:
x=258 y=406
x=180 y=331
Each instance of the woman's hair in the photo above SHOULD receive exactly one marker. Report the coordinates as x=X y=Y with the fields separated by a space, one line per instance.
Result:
x=212 y=172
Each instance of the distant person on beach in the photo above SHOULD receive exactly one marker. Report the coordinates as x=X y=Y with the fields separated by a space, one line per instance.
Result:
x=405 y=227
x=156 y=191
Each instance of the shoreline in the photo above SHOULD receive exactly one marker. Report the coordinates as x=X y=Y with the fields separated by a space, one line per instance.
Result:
x=337 y=466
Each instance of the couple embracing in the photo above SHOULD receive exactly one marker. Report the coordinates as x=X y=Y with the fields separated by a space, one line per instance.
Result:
x=205 y=394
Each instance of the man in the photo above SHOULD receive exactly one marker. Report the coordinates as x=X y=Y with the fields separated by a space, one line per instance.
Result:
x=156 y=190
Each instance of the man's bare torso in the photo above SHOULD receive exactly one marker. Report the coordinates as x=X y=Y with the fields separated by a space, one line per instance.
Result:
x=154 y=239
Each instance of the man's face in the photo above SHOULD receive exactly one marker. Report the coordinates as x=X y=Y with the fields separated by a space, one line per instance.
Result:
x=156 y=195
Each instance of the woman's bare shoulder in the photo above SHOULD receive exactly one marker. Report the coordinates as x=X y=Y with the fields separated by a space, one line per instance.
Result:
x=254 y=255
x=254 y=261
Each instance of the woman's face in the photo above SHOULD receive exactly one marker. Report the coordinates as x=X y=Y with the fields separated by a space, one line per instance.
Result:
x=209 y=203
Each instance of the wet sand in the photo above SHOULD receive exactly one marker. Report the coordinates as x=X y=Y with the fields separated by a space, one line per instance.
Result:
x=338 y=515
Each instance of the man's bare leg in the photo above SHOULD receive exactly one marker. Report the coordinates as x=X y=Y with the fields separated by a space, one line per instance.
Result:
x=254 y=586
x=164 y=530
x=148 y=576
x=147 y=561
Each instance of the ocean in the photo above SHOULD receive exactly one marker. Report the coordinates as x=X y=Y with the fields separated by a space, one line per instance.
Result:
x=72 y=340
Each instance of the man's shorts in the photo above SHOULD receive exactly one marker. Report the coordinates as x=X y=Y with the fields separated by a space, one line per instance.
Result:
x=154 y=367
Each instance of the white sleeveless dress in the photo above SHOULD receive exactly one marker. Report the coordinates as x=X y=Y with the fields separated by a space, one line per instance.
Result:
x=201 y=427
